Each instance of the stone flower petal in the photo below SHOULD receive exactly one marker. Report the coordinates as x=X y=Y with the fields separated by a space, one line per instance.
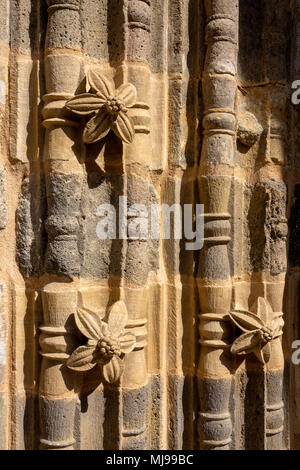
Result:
x=104 y=328
x=89 y=323
x=100 y=84
x=277 y=325
x=263 y=354
x=127 y=93
x=123 y=127
x=113 y=369
x=117 y=318
x=86 y=103
x=266 y=352
x=246 y=343
x=81 y=359
x=264 y=310
x=127 y=342
x=97 y=127
x=245 y=320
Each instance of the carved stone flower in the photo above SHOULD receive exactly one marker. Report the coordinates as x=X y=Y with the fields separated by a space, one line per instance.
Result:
x=259 y=330
x=108 y=106
x=107 y=342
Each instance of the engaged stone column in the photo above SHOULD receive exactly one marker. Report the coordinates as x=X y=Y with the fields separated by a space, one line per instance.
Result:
x=137 y=159
x=215 y=177
x=63 y=184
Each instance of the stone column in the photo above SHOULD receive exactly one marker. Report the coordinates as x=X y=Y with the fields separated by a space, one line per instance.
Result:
x=137 y=159
x=215 y=178
x=63 y=174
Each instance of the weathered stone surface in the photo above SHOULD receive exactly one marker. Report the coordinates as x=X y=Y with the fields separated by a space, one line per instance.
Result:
x=30 y=242
x=254 y=410
x=92 y=416
x=215 y=426
x=64 y=26
x=3 y=420
x=23 y=83
x=136 y=410
x=26 y=233
x=175 y=430
x=95 y=28
x=56 y=437
x=25 y=418
x=3 y=200
x=249 y=130
x=62 y=224
x=3 y=367
x=268 y=227
x=24 y=22
x=131 y=340
x=4 y=22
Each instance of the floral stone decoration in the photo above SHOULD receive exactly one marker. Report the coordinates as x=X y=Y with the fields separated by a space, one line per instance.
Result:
x=259 y=330
x=107 y=342
x=109 y=107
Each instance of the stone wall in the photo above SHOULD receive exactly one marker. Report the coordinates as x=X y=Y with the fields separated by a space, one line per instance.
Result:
x=140 y=343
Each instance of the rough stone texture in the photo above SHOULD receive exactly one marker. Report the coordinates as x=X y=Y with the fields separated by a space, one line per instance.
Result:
x=216 y=431
x=3 y=203
x=135 y=422
x=3 y=366
x=26 y=421
x=97 y=254
x=267 y=227
x=64 y=29
x=175 y=429
x=95 y=29
x=30 y=244
x=203 y=116
x=62 y=224
x=3 y=420
x=24 y=25
x=249 y=130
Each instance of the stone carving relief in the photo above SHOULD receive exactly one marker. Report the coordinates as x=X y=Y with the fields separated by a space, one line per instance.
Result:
x=107 y=342
x=152 y=346
x=109 y=107
x=258 y=331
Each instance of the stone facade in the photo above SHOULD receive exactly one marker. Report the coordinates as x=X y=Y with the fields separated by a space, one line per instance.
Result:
x=138 y=343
